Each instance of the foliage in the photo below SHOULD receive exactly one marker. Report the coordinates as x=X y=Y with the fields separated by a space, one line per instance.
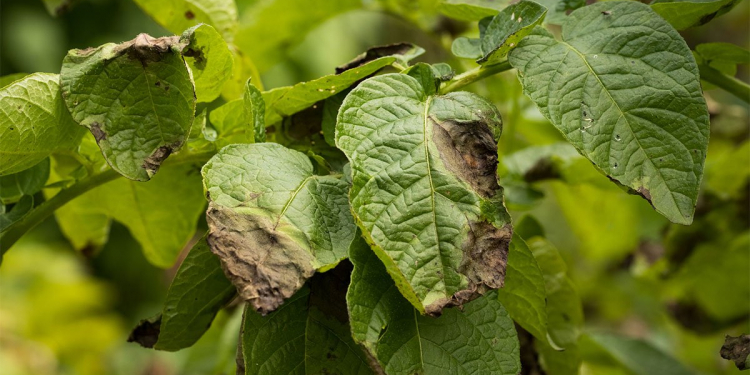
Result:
x=380 y=220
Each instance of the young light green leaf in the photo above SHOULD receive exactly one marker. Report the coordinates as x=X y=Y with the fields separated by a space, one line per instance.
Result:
x=478 y=338
x=683 y=14
x=639 y=357
x=308 y=334
x=272 y=222
x=255 y=112
x=524 y=294
x=209 y=59
x=424 y=188
x=271 y=27
x=179 y=15
x=508 y=28
x=467 y=48
x=471 y=10
x=243 y=69
x=26 y=182
x=633 y=108
x=286 y=101
x=229 y=122
x=198 y=291
x=161 y=214
x=137 y=99
x=34 y=123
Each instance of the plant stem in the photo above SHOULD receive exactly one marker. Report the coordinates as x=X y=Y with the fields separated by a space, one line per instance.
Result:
x=473 y=75
x=44 y=210
x=730 y=84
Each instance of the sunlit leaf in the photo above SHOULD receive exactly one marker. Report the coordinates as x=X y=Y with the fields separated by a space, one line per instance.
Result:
x=179 y=15
x=209 y=60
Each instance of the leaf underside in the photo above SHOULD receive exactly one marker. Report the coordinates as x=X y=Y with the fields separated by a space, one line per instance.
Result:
x=623 y=88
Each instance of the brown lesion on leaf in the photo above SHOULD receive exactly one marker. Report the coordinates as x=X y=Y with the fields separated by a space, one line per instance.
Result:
x=266 y=265
x=98 y=132
x=485 y=257
x=737 y=349
x=147 y=49
x=644 y=193
x=469 y=151
x=146 y=333
x=375 y=53
x=152 y=163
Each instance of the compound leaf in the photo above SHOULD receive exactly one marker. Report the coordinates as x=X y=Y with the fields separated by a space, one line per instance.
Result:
x=209 y=59
x=424 y=187
x=624 y=89
x=198 y=291
x=34 y=122
x=683 y=14
x=137 y=99
x=179 y=15
x=272 y=222
x=524 y=294
x=479 y=338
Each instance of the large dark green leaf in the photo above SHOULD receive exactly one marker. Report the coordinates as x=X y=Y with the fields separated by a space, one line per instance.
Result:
x=198 y=291
x=623 y=87
x=424 y=188
x=478 y=338
x=137 y=98
x=272 y=222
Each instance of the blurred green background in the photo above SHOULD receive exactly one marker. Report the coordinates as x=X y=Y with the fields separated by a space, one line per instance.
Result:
x=679 y=288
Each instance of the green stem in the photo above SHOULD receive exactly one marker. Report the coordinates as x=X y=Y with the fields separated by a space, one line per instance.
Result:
x=730 y=84
x=473 y=75
x=46 y=209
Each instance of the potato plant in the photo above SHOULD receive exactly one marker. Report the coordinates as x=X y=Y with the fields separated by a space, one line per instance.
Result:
x=358 y=217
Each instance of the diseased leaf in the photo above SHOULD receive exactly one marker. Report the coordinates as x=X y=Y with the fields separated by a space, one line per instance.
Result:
x=272 y=222
x=209 y=59
x=471 y=10
x=255 y=112
x=34 y=123
x=288 y=100
x=478 y=338
x=198 y=291
x=26 y=182
x=161 y=214
x=639 y=357
x=137 y=99
x=308 y=334
x=424 y=188
x=683 y=14
x=524 y=294
x=269 y=28
x=737 y=349
x=179 y=15
x=624 y=89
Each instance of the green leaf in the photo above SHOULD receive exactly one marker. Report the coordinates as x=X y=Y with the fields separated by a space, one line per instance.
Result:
x=255 y=112
x=424 y=188
x=10 y=78
x=272 y=222
x=478 y=338
x=179 y=15
x=330 y=112
x=137 y=99
x=161 y=214
x=271 y=27
x=524 y=294
x=17 y=212
x=632 y=105
x=198 y=291
x=723 y=57
x=471 y=10
x=26 y=182
x=501 y=34
x=35 y=123
x=308 y=334
x=229 y=122
x=639 y=356
x=288 y=100
x=209 y=59
x=57 y=8
x=683 y=14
